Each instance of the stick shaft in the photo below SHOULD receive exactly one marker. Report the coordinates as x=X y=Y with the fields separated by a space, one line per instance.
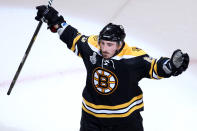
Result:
x=24 y=57
x=26 y=53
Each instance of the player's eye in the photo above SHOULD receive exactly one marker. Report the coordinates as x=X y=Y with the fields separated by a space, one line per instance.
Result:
x=109 y=44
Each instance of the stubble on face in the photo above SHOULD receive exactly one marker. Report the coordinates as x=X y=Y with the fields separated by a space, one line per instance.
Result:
x=105 y=54
x=108 y=48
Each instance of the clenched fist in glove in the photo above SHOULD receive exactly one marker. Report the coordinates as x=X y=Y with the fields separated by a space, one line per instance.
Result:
x=50 y=16
x=178 y=63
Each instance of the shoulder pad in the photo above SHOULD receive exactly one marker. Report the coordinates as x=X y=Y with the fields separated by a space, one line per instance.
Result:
x=137 y=51
x=131 y=51
x=93 y=40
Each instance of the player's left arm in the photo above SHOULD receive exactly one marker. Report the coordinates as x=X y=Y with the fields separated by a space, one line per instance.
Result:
x=166 y=67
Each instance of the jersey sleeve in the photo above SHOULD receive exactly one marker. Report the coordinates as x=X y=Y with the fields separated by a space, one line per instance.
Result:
x=143 y=64
x=154 y=68
x=74 y=40
x=80 y=44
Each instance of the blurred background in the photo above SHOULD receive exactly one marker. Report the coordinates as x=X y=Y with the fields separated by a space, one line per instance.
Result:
x=47 y=95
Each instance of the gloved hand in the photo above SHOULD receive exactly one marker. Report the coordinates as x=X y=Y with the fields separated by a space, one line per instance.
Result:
x=179 y=62
x=50 y=16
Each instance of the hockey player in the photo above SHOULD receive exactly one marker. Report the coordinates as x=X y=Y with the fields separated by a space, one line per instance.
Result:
x=112 y=99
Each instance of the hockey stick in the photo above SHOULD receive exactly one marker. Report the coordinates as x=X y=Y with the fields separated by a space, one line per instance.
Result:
x=26 y=53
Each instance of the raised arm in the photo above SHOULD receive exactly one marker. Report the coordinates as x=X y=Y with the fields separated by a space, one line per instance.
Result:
x=166 y=67
x=56 y=23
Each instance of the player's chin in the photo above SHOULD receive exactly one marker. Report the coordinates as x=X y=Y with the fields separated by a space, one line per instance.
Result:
x=106 y=56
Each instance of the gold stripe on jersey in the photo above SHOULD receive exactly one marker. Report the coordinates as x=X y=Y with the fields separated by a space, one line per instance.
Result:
x=114 y=115
x=122 y=110
x=153 y=70
x=137 y=107
x=113 y=107
x=74 y=42
x=80 y=55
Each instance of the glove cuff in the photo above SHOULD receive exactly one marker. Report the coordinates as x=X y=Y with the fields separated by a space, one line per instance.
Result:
x=58 y=22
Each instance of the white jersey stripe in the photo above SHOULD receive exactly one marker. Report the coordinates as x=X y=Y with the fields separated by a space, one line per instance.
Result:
x=107 y=111
x=76 y=49
x=122 y=57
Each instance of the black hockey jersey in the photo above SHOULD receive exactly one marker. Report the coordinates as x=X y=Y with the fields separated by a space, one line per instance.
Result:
x=112 y=90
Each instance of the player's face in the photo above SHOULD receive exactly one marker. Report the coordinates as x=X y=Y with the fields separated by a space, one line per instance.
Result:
x=108 y=48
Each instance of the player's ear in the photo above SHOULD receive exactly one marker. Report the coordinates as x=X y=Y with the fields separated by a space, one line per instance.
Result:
x=119 y=45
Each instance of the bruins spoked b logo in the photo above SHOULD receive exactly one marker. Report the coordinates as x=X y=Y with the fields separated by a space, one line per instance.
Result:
x=104 y=81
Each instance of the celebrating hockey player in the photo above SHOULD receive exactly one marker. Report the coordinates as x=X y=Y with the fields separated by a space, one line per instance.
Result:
x=112 y=99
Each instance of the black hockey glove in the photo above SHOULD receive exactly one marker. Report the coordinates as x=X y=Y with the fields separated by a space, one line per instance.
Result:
x=178 y=62
x=50 y=16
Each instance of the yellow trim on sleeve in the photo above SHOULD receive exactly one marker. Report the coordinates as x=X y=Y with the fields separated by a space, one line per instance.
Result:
x=80 y=55
x=151 y=69
x=155 y=69
x=74 y=42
